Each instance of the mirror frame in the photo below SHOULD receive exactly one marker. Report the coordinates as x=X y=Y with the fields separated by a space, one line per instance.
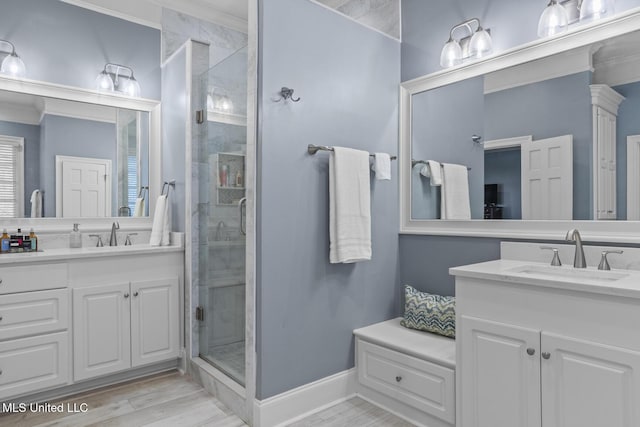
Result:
x=601 y=231
x=71 y=93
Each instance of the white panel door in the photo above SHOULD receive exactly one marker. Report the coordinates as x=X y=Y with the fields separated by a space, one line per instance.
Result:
x=154 y=321
x=585 y=384
x=500 y=374
x=83 y=187
x=547 y=179
x=101 y=330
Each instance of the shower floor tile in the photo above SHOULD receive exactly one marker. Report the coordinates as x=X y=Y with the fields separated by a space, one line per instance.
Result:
x=228 y=358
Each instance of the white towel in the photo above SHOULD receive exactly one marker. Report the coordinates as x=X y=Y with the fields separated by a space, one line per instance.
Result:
x=433 y=171
x=382 y=166
x=454 y=194
x=349 y=206
x=36 y=204
x=138 y=210
x=161 y=223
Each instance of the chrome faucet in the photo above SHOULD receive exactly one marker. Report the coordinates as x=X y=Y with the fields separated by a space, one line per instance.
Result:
x=113 y=240
x=573 y=235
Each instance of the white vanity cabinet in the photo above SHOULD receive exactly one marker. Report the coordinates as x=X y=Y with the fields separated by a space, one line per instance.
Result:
x=127 y=322
x=34 y=318
x=532 y=355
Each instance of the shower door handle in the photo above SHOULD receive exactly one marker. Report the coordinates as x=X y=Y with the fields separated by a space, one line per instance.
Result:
x=242 y=204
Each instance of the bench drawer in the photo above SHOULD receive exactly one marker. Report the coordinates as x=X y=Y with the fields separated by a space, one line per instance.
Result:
x=423 y=385
x=34 y=277
x=31 y=313
x=32 y=364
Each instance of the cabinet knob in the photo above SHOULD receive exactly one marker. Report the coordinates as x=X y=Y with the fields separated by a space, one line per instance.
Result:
x=531 y=351
x=0 y=281
x=0 y=318
x=135 y=294
x=398 y=378
x=126 y=295
x=546 y=355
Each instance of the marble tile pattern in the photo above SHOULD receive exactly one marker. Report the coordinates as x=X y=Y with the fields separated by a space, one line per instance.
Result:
x=178 y=27
x=383 y=15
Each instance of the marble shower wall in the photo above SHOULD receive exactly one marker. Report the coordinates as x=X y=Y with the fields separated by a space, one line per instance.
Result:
x=178 y=27
x=383 y=15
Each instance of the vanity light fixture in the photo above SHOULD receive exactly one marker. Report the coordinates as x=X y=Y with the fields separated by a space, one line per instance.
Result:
x=553 y=20
x=12 y=64
x=111 y=79
x=591 y=10
x=476 y=44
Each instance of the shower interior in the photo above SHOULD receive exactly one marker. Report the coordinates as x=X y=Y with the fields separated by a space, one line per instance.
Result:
x=222 y=150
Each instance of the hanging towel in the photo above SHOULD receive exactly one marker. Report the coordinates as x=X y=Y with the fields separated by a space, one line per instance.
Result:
x=161 y=222
x=36 y=204
x=454 y=194
x=382 y=166
x=349 y=206
x=433 y=171
x=138 y=210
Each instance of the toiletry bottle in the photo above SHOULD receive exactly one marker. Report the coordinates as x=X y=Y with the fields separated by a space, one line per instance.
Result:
x=34 y=240
x=75 y=237
x=5 y=242
x=16 y=242
x=238 y=179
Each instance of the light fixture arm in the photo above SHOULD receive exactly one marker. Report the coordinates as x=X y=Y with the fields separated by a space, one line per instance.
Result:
x=13 y=48
x=467 y=25
x=117 y=73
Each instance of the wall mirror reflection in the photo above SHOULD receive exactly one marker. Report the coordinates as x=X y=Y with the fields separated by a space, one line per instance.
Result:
x=559 y=138
x=61 y=158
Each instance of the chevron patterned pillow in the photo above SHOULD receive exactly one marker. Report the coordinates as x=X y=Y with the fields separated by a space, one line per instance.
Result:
x=428 y=312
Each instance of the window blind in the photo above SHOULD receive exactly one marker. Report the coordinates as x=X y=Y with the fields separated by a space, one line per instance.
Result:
x=10 y=179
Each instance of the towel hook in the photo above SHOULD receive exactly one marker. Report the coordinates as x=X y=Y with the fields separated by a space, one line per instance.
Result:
x=286 y=93
x=168 y=185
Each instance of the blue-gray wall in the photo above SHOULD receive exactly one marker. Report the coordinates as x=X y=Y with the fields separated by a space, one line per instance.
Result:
x=628 y=124
x=70 y=45
x=31 y=135
x=444 y=119
x=554 y=107
x=502 y=167
x=174 y=122
x=425 y=28
x=65 y=136
x=348 y=77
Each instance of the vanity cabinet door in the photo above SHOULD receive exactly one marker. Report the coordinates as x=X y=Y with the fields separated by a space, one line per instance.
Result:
x=154 y=321
x=101 y=330
x=585 y=384
x=500 y=374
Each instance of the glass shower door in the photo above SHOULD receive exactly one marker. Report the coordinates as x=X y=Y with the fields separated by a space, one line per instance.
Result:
x=222 y=153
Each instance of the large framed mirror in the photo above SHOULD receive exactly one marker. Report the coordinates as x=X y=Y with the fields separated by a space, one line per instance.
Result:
x=547 y=133
x=68 y=152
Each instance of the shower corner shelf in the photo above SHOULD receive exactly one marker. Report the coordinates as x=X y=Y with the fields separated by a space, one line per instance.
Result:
x=226 y=118
x=229 y=195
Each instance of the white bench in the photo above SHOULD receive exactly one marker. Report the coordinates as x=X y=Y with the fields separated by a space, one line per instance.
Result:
x=410 y=373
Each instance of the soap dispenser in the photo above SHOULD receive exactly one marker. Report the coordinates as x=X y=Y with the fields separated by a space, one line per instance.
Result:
x=6 y=240
x=75 y=237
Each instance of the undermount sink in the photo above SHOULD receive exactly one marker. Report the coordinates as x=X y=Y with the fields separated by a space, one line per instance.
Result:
x=569 y=273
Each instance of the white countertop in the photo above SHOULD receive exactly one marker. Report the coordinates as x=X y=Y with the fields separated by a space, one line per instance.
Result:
x=509 y=271
x=66 y=254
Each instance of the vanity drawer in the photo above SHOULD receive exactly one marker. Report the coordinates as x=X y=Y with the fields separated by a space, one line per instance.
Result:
x=33 y=277
x=32 y=364
x=423 y=385
x=32 y=313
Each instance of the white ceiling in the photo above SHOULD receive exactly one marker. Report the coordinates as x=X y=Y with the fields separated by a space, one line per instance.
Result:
x=229 y=13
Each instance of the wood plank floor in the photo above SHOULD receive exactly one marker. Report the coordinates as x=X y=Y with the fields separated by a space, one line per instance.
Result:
x=174 y=400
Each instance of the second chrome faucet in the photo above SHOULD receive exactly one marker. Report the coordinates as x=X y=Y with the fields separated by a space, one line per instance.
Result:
x=573 y=235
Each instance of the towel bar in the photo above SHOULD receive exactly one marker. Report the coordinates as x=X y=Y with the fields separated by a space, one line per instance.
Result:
x=424 y=162
x=313 y=149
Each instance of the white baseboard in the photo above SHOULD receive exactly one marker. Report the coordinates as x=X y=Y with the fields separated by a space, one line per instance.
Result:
x=307 y=399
